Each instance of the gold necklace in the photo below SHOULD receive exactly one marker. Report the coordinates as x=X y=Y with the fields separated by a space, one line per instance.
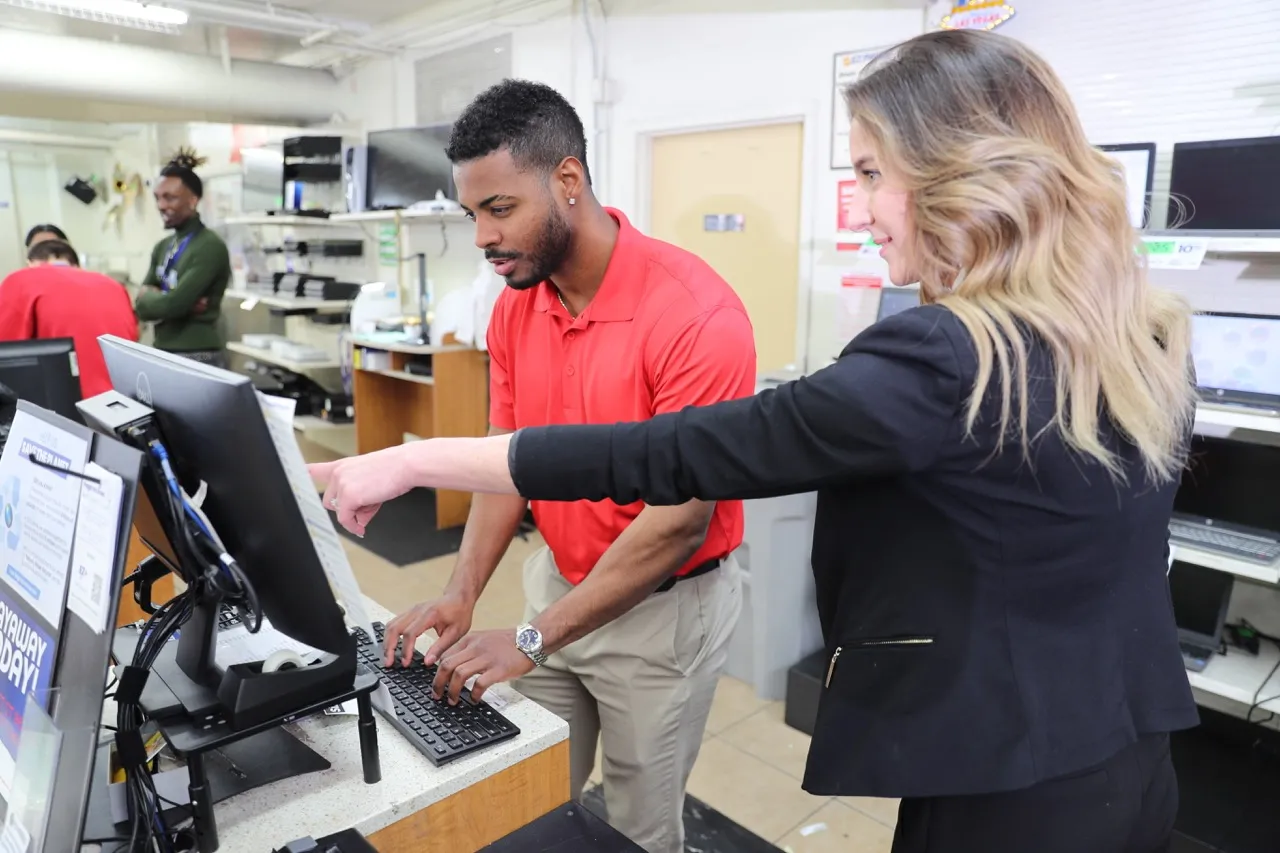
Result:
x=564 y=304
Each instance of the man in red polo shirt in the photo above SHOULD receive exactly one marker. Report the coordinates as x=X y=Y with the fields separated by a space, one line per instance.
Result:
x=54 y=298
x=629 y=608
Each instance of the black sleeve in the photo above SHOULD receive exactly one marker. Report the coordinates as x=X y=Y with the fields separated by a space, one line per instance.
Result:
x=884 y=407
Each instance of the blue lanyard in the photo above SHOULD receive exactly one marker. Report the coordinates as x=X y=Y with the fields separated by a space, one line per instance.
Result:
x=175 y=254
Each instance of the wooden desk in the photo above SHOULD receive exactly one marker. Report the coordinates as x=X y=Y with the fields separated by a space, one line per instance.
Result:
x=391 y=402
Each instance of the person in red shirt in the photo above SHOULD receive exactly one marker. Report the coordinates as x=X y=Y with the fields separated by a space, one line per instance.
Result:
x=54 y=298
x=629 y=608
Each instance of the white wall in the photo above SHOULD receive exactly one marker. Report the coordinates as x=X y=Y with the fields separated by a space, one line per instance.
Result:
x=672 y=73
x=1143 y=70
x=33 y=193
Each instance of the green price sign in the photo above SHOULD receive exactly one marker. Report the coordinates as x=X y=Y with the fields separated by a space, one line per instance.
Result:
x=1161 y=247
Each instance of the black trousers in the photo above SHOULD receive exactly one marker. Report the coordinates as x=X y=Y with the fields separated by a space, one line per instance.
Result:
x=1125 y=805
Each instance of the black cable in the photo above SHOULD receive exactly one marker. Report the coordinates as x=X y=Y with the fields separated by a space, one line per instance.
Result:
x=1248 y=718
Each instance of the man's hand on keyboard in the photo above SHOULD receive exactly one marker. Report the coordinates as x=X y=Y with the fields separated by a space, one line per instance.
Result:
x=490 y=656
x=449 y=616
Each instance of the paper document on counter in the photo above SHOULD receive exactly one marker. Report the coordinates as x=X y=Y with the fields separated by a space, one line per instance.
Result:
x=278 y=412
x=94 y=554
x=236 y=645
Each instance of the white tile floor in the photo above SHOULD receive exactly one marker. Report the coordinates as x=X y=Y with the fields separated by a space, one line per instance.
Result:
x=751 y=761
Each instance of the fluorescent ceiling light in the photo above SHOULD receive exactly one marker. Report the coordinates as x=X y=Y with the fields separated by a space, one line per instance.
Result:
x=123 y=13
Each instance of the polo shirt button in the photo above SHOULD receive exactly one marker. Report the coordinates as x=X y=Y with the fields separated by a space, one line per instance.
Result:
x=572 y=334
x=569 y=370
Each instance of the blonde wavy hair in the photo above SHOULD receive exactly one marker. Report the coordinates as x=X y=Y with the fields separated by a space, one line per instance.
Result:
x=1021 y=226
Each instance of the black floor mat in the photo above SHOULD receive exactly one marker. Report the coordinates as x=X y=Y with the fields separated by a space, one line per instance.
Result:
x=404 y=530
x=705 y=829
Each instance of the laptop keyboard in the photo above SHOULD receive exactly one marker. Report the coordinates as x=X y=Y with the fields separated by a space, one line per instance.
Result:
x=1255 y=549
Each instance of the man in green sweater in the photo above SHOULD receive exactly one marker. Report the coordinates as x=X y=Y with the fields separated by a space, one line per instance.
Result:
x=189 y=272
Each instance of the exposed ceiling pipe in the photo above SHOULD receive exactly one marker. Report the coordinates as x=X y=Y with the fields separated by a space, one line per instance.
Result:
x=273 y=19
x=437 y=26
x=55 y=140
x=188 y=84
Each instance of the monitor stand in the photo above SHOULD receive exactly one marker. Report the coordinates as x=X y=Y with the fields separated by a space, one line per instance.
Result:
x=226 y=725
x=243 y=694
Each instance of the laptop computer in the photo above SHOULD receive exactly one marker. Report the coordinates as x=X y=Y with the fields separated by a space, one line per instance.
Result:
x=894 y=300
x=1200 y=600
x=1237 y=360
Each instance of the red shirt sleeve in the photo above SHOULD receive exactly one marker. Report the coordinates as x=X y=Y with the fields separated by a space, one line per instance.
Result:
x=710 y=360
x=502 y=414
x=17 y=310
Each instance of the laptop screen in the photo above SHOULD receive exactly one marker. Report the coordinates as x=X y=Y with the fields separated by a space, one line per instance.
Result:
x=897 y=299
x=1200 y=598
x=1237 y=353
x=1231 y=481
x=1226 y=184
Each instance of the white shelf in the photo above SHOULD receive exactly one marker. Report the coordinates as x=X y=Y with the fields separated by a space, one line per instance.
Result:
x=405 y=215
x=283 y=219
x=290 y=302
x=405 y=375
x=268 y=357
x=1237 y=675
x=1222 y=420
x=1259 y=245
x=1225 y=563
x=409 y=349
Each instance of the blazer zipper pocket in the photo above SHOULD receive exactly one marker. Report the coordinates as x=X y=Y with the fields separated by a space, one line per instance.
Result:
x=875 y=643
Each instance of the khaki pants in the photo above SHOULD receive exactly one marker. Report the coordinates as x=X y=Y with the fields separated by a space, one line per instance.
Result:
x=643 y=685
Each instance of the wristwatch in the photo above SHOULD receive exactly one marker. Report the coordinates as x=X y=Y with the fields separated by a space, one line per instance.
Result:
x=529 y=641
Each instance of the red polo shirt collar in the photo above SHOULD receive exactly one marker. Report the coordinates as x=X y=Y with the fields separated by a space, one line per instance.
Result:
x=624 y=280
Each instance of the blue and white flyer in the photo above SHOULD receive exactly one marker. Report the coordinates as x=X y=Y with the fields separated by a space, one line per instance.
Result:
x=39 y=500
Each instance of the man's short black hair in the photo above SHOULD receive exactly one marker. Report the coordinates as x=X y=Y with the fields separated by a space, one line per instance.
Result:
x=183 y=167
x=53 y=250
x=531 y=120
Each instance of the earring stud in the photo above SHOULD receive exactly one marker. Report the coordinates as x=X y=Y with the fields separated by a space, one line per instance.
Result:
x=572 y=201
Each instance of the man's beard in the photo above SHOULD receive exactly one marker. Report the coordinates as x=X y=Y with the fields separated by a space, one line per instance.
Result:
x=552 y=249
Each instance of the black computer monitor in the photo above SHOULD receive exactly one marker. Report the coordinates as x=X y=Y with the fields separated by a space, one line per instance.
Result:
x=408 y=165
x=43 y=372
x=1226 y=184
x=1138 y=162
x=213 y=427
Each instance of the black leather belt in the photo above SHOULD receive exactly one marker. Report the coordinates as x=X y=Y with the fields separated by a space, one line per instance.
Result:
x=700 y=569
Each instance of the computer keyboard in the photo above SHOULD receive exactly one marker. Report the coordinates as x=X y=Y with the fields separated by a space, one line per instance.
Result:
x=1195 y=657
x=440 y=731
x=1255 y=549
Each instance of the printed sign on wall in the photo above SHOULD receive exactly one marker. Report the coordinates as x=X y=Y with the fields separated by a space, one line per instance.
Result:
x=976 y=15
x=847 y=67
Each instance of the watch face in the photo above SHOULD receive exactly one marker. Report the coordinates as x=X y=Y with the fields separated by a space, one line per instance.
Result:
x=529 y=638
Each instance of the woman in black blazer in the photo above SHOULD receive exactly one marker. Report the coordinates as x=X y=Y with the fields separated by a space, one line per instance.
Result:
x=995 y=471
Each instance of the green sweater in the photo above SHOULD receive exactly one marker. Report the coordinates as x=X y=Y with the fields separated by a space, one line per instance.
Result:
x=203 y=271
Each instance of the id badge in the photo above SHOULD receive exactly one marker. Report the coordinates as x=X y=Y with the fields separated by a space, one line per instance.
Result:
x=170 y=280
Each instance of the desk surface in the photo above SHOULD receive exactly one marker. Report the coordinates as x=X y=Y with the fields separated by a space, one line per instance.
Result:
x=318 y=804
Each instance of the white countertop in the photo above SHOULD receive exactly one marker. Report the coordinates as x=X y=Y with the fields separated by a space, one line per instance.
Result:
x=319 y=804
